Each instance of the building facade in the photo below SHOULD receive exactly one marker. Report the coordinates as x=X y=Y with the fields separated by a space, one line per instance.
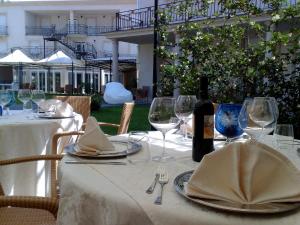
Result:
x=40 y=28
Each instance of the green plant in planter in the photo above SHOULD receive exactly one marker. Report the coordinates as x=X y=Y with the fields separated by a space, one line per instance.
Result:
x=234 y=53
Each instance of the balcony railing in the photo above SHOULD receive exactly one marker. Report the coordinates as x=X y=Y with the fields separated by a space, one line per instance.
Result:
x=3 y=31
x=75 y=28
x=144 y=17
x=40 y=30
x=98 y=30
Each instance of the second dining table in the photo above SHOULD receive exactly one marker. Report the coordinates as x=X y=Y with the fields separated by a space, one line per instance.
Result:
x=115 y=194
x=23 y=133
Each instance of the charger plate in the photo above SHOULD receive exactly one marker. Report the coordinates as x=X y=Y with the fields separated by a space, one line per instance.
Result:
x=123 y=149
x=265 y=208
x=48 y=116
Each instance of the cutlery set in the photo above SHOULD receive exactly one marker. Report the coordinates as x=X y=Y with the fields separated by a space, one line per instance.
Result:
x=162 y=177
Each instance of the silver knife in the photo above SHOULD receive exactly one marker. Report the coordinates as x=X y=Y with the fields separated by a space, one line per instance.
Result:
x=95 y=162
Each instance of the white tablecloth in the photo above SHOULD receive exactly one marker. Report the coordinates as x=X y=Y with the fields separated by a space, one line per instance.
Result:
x=23 y=134
x=115 y=195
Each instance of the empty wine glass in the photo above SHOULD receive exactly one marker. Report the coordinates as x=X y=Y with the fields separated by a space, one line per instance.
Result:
x=269 y=128
x=24 y=95
x=162 y=117
x=37 y=97
x=226 y=121
x=184 y=107
x=246 y=123
x=261 y=112
x=5 y=98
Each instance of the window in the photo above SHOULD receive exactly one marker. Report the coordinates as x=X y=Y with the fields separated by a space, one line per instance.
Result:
x=57 y=80
x=106 y=78
x=69 y=77
x=79 y=80
x=42 y=80
x=49 y=82
x=33 y=79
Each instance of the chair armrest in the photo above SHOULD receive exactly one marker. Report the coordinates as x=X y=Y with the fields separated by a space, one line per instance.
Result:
x=50 y=204
x=30 y=159
x=56 y=136
x=108 y=124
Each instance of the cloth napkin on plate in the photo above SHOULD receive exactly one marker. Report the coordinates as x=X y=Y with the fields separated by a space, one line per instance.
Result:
x=56 y=108
x=94 y=141
x=63 y=109
x=246 y=173
x=48 y=105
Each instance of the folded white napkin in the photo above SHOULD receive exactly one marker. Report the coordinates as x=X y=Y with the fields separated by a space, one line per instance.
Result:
x=63 y=109
x=94 y=141
x=246 y=173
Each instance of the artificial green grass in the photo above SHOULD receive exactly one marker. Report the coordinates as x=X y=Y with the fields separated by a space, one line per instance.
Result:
x=139 y=119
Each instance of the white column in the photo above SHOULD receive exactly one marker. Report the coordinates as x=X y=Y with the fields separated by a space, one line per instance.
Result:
x=115 y=62
x=99 y=83
x=71 y=15
x=176 y=91
x=71 y=22
x=75 y=80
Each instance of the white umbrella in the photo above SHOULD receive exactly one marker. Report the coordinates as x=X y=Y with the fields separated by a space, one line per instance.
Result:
x=16 y=57
x=60 y=59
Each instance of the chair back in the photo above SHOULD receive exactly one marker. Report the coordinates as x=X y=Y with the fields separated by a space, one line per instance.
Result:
x=125 y=117
x=80 y=104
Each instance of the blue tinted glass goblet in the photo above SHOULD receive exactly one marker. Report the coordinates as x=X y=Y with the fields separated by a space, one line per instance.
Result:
x=226 y=120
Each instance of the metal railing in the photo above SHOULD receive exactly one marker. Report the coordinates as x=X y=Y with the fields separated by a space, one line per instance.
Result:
x=75 y=28
x=3 y=31
x=40 y=30
x=98 y=30
x=144 y=17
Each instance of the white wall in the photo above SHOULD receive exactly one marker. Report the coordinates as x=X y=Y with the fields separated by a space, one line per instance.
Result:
x=145 y=66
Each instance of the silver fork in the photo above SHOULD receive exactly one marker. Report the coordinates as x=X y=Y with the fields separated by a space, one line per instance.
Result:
x=152 y=186
x=163 y=179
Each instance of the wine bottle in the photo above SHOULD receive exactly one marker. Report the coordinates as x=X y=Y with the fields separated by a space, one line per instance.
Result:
x=203 y=123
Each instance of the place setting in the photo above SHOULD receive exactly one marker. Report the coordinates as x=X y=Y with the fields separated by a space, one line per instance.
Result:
x=95 y=145
x=242 y=171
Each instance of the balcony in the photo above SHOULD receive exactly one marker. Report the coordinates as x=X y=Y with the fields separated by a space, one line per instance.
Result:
x=144 y=17
x=40 y=30
x=3 y=31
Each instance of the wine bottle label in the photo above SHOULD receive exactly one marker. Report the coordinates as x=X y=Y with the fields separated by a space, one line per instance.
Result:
x=208 y=127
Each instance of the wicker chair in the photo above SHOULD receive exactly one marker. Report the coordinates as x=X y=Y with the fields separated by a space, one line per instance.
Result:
x=125 y=119
x=80 y=104
x=29 y=210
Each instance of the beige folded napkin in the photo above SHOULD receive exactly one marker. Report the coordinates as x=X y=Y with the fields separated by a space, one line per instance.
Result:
x=247 y=173
x=94 y=141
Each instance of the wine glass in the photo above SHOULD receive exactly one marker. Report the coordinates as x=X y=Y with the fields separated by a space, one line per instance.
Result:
x=269 y=128
x=24 y=95
x=37 y=97
x=261 y=112
x=162 y=117
x=226 y=120
x=184 y=107
x=5 y=98
x=246 y=123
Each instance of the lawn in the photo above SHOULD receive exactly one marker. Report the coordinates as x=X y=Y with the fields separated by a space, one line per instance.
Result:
x=139 y=119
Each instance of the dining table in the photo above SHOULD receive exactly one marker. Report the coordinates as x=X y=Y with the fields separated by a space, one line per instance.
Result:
x=104 y=194
x=24 y=133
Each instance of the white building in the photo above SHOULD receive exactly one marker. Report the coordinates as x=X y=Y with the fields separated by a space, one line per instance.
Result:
x=41 y=27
